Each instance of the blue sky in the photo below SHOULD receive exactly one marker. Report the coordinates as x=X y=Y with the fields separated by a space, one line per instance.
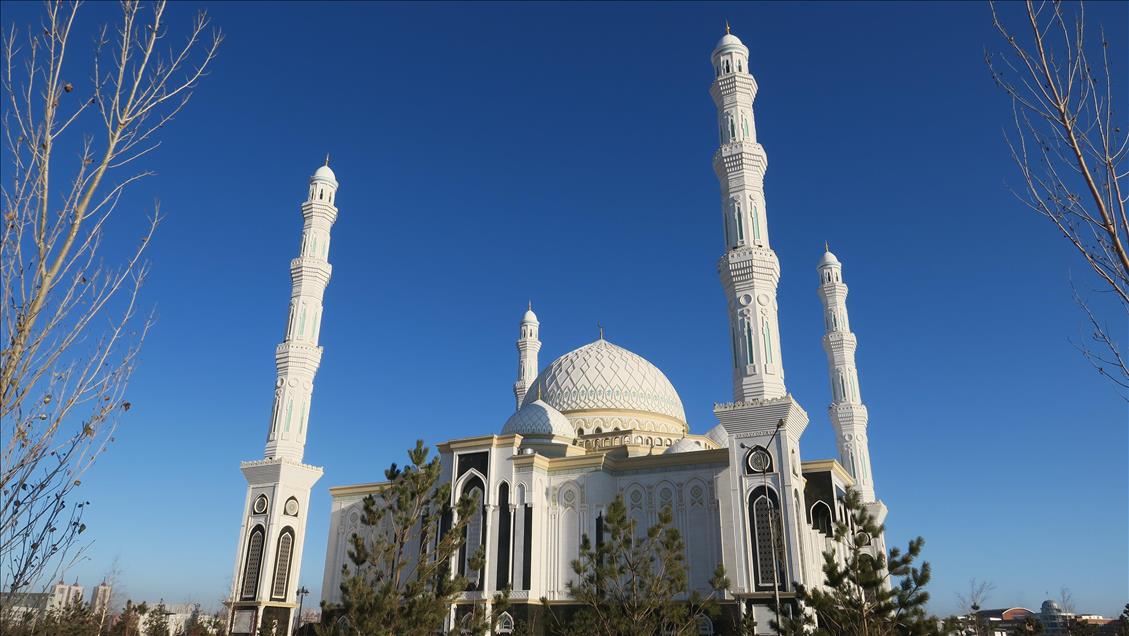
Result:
x=489 y=154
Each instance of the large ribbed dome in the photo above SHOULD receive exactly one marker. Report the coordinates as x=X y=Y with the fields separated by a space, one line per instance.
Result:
x=601 y=376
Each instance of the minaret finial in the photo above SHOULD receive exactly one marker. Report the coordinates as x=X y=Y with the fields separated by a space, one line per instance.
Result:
x=538 y=390
x=727 y=27
x=530 y=306
x=601 y=328
x=825 y=247
x=327 y=158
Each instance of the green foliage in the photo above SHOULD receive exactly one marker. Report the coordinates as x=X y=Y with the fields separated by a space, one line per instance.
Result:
x=129 y=623
x=636 y=585
x=157 y=621
x=867 y=594
x=394 y=587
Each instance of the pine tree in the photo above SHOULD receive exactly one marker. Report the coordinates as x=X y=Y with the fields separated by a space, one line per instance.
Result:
x=157 y=622
x=129 y=622
x=637 y=585
x=867 y=594
x=399 y=582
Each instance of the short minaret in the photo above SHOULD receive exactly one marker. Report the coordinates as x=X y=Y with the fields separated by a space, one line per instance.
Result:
x=848 y=413
x=269 y=559
x=749 y=269
x=528 y=345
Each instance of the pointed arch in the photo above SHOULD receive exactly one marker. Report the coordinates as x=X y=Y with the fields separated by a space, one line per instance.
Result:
x=767 y=535
x=252 y=563
x=474 y=484
x=766 y=333
x=505 y=624
x=283 y=557
x=505 y=523
x=821 y=518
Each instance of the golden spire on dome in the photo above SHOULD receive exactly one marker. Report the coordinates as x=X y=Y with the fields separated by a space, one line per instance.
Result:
x=727 y=27
x=825 y=247
x=327 y=159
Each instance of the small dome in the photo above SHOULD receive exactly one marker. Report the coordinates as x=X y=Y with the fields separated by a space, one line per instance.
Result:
x=1050 y=607
x=729 y=40
x=719 y=435
x=538 y=418
x=529 y=316
x=828 y=259
x=685 y=445
x=326 y=174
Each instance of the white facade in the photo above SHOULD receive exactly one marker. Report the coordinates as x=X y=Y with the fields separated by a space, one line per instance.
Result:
x=271 y=537
x=601 y=421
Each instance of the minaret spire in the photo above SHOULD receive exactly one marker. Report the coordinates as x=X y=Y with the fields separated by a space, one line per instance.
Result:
x=528 y=345
x=298 y=356
x=749 y=269
x=847 y=412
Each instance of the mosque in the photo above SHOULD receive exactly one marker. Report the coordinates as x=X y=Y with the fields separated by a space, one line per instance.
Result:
x=597 y=422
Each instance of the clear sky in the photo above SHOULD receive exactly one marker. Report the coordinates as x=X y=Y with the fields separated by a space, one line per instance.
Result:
x=489 y=154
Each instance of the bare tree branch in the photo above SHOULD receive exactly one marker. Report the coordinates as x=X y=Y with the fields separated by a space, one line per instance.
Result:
x=1070 y=150
x=71 y=326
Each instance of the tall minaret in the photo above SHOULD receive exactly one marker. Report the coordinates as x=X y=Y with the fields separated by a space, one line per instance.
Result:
x=847 y=412
x=749 y=269
x=528 y=345
x=269 y=559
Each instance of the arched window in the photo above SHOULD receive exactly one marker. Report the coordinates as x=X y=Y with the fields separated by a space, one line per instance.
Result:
x=505 y=624
x=705 y=625
x=766 y=333
x=756 y=220
x=802 y=536
x=740 y=222
x=821 y=518
x=504 y=523
x=252 y=564
x=768 y=537
x=282 y=565
x=732 y=128
x=472 y=533
x=726 y=66
x=748 y=343
x=738 y=68
x=736 y=348
x=745 y=125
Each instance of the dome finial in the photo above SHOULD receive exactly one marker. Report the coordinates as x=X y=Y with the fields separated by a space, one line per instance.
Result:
x=529 y=306
x=327 y=158
x=825 y=247
x=601 y=328
x=727 y=27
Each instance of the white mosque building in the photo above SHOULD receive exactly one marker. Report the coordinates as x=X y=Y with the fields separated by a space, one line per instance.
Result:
x=598 y=421
x=601 y=420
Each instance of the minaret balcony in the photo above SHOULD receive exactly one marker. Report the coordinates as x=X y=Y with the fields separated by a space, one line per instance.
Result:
x=732 y=160
x=729 y=89
x=310 y=267
x=749 y=265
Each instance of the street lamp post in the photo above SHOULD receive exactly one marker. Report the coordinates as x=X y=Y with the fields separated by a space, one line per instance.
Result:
x=301 y=592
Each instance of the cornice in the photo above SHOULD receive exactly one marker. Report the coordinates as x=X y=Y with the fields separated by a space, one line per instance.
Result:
x=822 y=465
x=482 y=441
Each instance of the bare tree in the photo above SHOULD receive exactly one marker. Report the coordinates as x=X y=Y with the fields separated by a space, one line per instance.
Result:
x=1066 y=600
x=973 y=602
x=69 y=298
x=1069 y=143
